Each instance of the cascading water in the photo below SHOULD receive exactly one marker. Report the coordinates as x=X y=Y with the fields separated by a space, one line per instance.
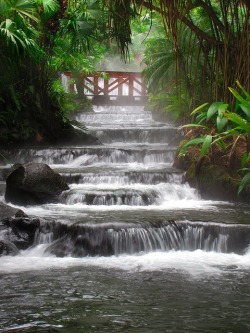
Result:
x=130 y=247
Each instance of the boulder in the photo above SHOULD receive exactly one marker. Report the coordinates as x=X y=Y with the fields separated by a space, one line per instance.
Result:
x=32 y=184
x=7 y=248
x=8 y=211
x=17 y=230
x=76 y=136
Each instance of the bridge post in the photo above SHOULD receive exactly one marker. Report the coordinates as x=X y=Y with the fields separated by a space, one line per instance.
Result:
x=96 y=85
x=130 y=85
x=120 y=89
x=106 y=87
x=143 y=87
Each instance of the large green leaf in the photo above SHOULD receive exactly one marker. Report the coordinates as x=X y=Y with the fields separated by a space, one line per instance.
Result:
x=243 y=89
x=245 y=159
x=49 y=6
x=243 y=124
x=221 y=123
x=244 y=181
x=246 y=110
x=201 y=118
x=193 y=142
x=9 y=35
x=240 y=98
x=206 y=145
x=198 y=108
x=194 y=125
x=221 y=109
x=25 y=9
x=213 y=109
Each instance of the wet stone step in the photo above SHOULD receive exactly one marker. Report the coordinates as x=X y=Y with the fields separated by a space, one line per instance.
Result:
x=130 y=197
x=128 y=109
x=118 y=238
x=112 y=112
x=128 y=125
x=115 y=118
x=160 y=135
x=88 y=155
x=121 y=178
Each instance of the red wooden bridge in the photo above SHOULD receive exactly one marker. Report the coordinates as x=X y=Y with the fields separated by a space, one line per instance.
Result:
x=112 y=88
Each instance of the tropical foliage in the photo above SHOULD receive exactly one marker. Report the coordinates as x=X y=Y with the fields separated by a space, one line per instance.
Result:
x=39 y=39
x=169 y=86
x=213 y=36
x=205 y=50
x=221 y=127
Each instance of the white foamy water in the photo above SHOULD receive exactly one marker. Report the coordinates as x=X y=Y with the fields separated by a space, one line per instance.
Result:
x=114 y=194
x=195 y=263
x=69 y=211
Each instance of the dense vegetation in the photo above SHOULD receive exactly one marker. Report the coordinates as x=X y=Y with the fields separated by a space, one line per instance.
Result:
x=39 y=39
x=202 y=55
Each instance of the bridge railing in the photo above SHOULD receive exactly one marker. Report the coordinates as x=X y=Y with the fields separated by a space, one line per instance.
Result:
x=113 y=87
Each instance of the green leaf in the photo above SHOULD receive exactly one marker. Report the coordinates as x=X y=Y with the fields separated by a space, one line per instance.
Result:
x=193 y=125
x=200 y=118
x=239 y=97
x=49 y=6
x=222 y=108
x=193 y=142
x=231 y=132
x=238 y=120
x=221 y=123
x=246 y=110
x=243 y=169
x=245 y=159
x=26 y=8
x=222 y=144
x=244 y=181
x=213 y=109
x=198 y=108
x=243 y=89
x=206 y=144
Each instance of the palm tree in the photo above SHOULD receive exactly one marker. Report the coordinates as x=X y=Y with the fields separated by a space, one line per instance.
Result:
x=23 y=75
x=171 y=73
x=39 y=37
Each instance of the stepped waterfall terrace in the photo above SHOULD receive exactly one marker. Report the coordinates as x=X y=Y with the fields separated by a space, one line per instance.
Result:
x=129 y=247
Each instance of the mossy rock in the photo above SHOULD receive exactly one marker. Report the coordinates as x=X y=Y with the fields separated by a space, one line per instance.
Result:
x=215 y=182
x=33 y=183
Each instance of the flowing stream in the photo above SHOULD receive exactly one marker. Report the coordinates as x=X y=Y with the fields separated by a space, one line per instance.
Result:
x=130 y=247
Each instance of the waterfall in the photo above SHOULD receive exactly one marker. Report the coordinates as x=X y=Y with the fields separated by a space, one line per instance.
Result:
x=131 y=238
x=119 y=191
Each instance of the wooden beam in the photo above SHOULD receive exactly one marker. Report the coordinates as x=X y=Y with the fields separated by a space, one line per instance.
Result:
x=93 y=86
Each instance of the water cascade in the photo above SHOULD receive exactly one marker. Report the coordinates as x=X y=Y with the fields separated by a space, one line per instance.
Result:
x=128 y=231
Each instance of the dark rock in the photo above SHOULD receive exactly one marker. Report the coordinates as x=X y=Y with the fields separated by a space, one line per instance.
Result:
x=2 y=187
x=216 y=182
x=79 y=241
x=32 y=184
x=8 y=211
x=7 y=248
x=19 y=230
x=74 y=135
